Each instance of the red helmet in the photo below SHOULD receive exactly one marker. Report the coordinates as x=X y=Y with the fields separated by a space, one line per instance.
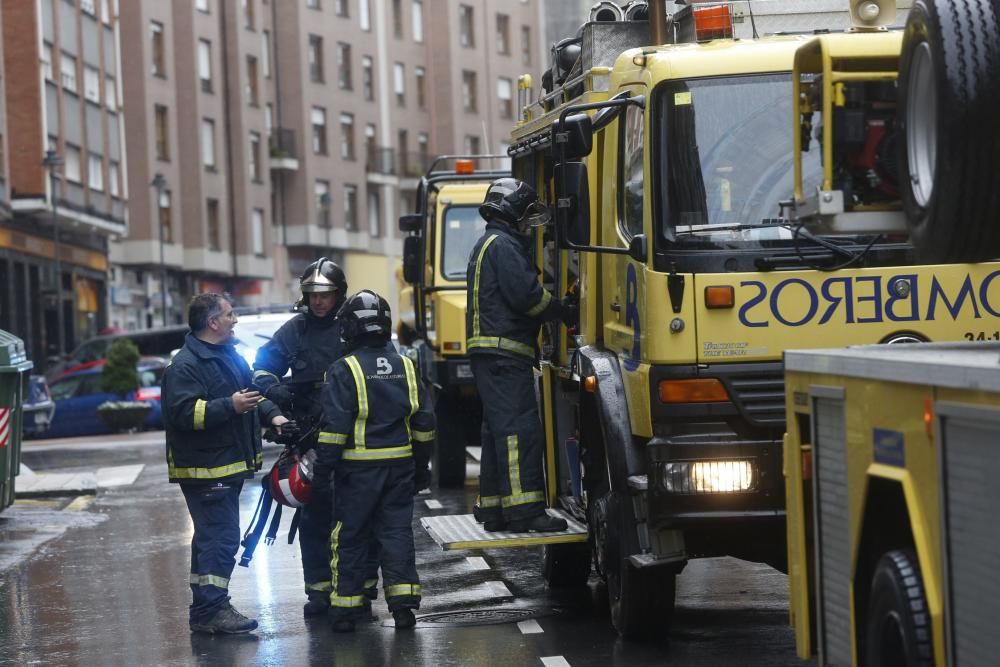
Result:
x=290 y=480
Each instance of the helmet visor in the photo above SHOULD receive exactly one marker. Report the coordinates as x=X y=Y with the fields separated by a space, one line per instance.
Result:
x=537 y=215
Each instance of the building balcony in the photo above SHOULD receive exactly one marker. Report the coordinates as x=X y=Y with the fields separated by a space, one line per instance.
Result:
x=380 y=160
x=282 y=149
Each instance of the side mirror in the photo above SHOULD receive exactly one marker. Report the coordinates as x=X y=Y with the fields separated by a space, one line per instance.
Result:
x=577 y=133
x=637 y=248
x=412 y=245
x=573 y=186
x=411 y=222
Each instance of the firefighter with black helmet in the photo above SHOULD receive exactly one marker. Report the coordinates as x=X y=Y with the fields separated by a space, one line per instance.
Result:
x=507 y=306
x=307 y=344
x=376 y=420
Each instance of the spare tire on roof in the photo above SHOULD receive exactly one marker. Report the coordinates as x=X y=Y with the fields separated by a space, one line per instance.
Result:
x=949 y=112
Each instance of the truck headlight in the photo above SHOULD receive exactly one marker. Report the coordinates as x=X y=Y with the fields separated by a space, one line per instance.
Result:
x=707 y=476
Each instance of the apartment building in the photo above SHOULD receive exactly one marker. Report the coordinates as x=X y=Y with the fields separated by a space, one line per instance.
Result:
x=63 y=163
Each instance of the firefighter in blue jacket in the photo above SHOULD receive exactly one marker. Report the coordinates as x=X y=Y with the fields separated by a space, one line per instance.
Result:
x=376 y=420
x=506 y=307
x=213 y=425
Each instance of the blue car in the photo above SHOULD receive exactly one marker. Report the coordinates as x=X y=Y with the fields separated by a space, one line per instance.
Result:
x=38 y=407
x=77 y=393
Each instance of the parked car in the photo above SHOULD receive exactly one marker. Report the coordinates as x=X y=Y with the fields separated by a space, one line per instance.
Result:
x=77 y=393
x=38 y=407
x=252 y=331
x=151 y=342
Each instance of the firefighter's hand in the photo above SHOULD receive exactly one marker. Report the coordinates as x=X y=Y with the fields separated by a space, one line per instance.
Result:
x=245 y=400
x=280 y=395
x=570 y=311
x=283 y=425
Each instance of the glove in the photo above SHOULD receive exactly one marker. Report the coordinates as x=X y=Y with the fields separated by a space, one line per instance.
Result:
x=280 y=395
x=570 y=311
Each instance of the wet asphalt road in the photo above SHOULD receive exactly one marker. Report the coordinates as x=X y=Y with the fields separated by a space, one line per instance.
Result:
x=103 y=581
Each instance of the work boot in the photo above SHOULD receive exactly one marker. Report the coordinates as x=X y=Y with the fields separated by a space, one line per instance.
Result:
x=226 y=621
x=404 y=619
x=495 y=525
x=478 y=514
x=341 y=624
x=541 y=523
x=318 y=603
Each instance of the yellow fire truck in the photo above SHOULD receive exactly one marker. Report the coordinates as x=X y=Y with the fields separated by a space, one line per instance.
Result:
x=670 y=169
x=435 y=255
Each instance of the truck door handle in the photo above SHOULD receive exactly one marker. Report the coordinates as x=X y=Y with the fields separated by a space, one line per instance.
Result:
x=615 y=306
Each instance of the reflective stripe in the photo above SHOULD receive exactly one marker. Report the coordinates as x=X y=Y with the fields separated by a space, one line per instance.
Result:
x=475 y=286
x=205 y=473
x=489 y=501
x=541 y=305
x=411 y=385
x=423 y=436
x=525 y=498
x=359 y=385
x=513 y=466
x=330 y=438
x=495 y=342
x=262 y=373
x=199 y=414
x=402 y=589
x=322 y=586
x=334 y=558
x=259 y=459
x=371 y=583
x=378 y=453
x=348 y=601
x=209 y=580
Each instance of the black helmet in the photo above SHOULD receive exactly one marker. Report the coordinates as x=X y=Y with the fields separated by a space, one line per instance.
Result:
x=323 y=275
x=364 y=313
x=509 y=200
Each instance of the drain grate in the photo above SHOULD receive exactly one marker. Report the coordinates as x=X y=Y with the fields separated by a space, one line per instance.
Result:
x=489 y=616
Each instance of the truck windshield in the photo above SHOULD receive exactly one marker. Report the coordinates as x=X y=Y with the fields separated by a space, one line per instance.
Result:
x=461 y=229
x=728 y=149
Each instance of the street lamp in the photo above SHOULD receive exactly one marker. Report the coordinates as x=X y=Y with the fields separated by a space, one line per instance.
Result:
x=160 y=183
x=52 y=162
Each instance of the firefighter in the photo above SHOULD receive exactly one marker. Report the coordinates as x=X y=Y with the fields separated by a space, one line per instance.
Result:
x=376 y=420
x=307 y=344
x=507 y=306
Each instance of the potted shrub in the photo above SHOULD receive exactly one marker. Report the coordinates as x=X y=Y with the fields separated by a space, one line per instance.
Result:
x=119 y=377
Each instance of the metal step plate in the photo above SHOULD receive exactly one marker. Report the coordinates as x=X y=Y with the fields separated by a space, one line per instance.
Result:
x=460 y=531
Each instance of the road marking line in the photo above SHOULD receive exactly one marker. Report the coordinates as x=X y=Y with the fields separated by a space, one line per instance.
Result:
x=499 y=590
x=79 y=504
x=529 y=627
x=433 y=504
x=477 y=562
x=555 y=661
x=119 y=475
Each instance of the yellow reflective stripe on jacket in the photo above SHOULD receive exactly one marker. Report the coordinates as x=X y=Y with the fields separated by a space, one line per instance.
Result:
x=331 y=438
x=541 y=305
x=209 y=580
x=199 y=414
x=402 y=589
x=411 y=385
x=423 y=436
x=205 y=473
x=378 y=453
x=497 y=343
x=475 y=285
x=359 y=384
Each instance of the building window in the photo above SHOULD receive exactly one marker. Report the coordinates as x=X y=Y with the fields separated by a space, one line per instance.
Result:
x=371 y=150
x=162 y=136
x=110 y=94
x=269 y=118
x=166 y=220
x=399 y=83
x=255 y=157
x=159 y=58
x=340 y=8
x=525 y=45
x=47 y=61
x=403 y=147
x=319 y=130
x=368 y=78
x=257 y=229
x=92 y=84
x=471 y=144
x=469 y=91
x=113 y=176
x=95 y=172
x=505 y=96
x=466 y=26
x=265 y=53
x=252 y=88
x=351 y=207
x=205 y=64
x=71 y=168
x=212 y=222
x=248 y=14
x=321 y=189
x=347 y=136
x=397 y=18
x=208 y=143
x=344 y=66
x=374 y=211
x=201 y=6
x=503 y=34
x=365 y=14
x=418 y=21
x=421 y=75
x=316 y=58
x=423 y=150
x=67 y=68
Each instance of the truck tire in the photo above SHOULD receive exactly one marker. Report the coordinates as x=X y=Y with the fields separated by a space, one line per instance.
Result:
x=449 y=447
x=566 y=565
x=898 y=623
x=947 y=106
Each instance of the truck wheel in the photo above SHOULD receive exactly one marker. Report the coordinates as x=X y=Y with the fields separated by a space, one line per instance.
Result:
x=566 y=565
x=449 y=448
x=899 y=631
x=947 y=106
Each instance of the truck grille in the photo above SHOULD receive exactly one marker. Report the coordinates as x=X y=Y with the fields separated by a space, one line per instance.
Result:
x=760 y=397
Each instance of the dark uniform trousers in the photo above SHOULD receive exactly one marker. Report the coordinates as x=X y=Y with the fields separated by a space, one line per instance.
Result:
x=374 y=509
x=511 y=484
x=215 y=512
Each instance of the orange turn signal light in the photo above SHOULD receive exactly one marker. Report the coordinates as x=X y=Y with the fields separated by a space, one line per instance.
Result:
x=590 y=384
x=720 y=296
x=464 y=166
x=701 y=390
x=929 y=418
x=452 y=346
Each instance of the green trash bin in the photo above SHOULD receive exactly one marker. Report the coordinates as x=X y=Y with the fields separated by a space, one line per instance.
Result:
x=14 y=365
